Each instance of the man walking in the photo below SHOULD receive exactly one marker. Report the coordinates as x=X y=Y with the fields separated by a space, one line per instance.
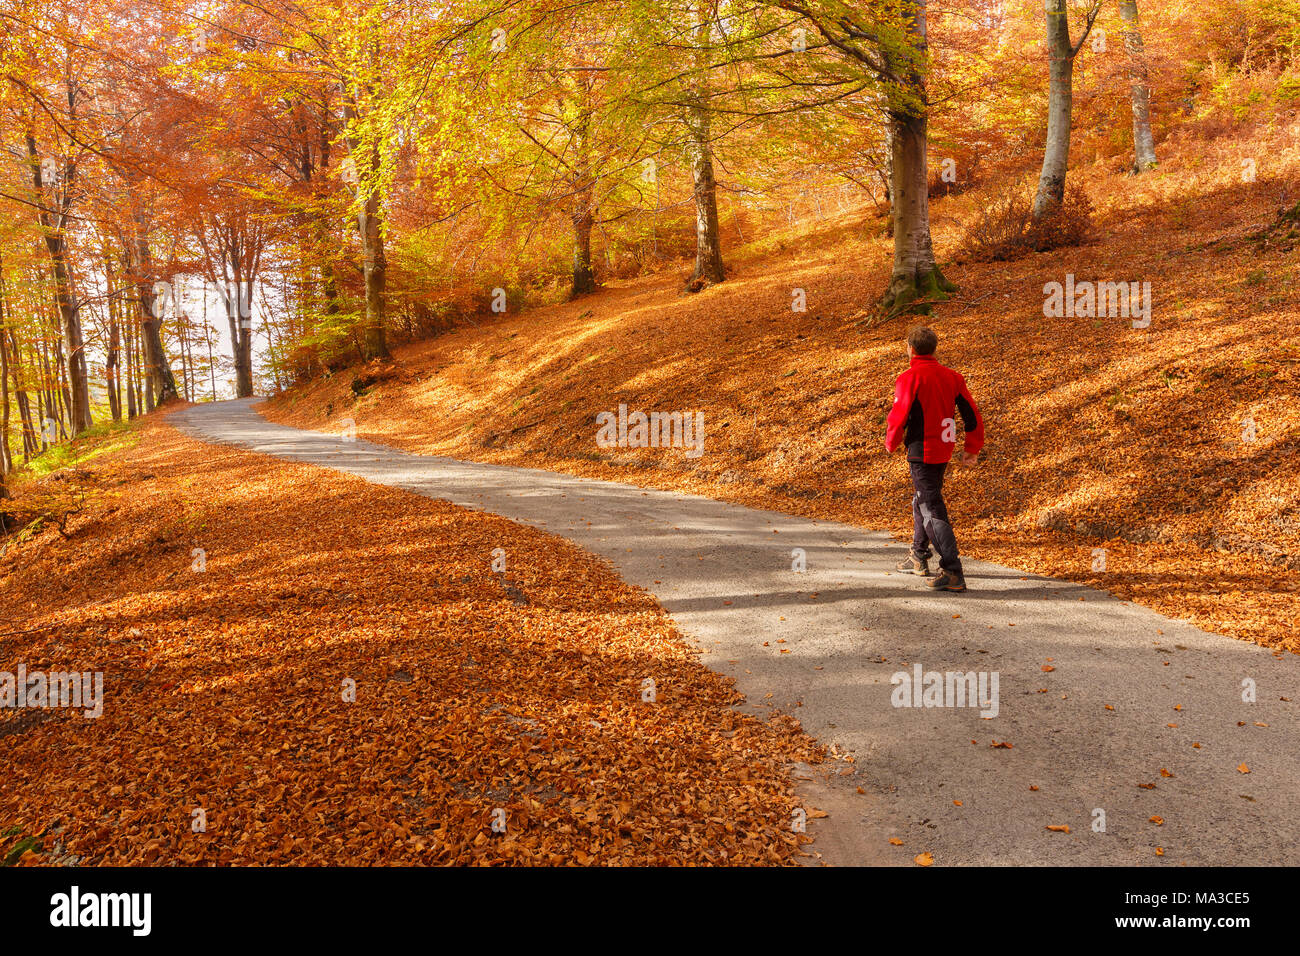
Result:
x=925 y=397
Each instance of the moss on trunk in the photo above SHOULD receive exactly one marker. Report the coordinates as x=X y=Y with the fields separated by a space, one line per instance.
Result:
x=915 y=293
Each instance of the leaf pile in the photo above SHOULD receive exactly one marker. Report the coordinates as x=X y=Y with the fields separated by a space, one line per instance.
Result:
x=474 y=691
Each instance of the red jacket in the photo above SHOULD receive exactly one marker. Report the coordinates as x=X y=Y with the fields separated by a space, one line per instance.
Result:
x=924 y=399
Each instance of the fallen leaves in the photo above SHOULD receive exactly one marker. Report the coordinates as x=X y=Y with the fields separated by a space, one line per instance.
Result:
x=1126 y=431
x=1059 y=828
x=224 y=689
x=924 y=859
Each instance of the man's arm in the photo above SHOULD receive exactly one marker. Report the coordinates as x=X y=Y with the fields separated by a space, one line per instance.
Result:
x=971 y=419
x=896 y=423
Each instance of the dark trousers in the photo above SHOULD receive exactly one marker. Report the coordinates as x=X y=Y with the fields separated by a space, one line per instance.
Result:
x=930 y=524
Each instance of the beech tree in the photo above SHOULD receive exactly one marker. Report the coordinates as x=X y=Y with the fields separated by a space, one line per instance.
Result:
x=895 y=52
x=55 y=188
x=6 y=456
x=1144 y=150
x=1060 y=102
x=233 y=240
x=698 y=121
x=160 y=383
x=561 y=133
x=364 y=173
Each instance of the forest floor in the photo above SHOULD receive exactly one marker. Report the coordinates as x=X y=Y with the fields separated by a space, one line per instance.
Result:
x=1157 y=463
x=231 y=603
x=1087 y=701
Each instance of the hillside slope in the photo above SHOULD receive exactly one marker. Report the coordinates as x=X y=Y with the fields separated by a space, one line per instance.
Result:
x=1171 y=447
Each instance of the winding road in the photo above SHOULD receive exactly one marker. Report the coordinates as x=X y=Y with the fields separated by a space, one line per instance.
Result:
x=1101 y=704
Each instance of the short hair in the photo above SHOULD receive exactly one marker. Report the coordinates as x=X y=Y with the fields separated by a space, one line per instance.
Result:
x=923 y=340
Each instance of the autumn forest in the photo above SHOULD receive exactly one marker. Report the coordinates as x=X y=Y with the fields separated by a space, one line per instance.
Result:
x=489 y=431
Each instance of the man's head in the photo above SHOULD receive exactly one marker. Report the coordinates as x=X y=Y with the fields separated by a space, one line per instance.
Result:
x=921 y=341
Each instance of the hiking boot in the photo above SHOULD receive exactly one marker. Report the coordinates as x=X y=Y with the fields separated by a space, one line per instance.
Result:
x=948 y=581
x=915 y=565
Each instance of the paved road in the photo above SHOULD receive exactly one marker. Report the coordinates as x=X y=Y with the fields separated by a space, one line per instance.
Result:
x=824 y=644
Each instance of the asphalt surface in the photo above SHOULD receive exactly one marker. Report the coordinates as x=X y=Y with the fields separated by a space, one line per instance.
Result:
x=1100 y=701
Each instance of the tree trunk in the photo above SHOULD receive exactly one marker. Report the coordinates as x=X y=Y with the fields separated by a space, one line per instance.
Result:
x=583 y=211
x=374 y=343
x=276 y=359
x=584 y=277
x=1056 y=156
x=1144 y=150
x=207 y=340
x=111 y=367
x=43 y=414
x=131 y=407
x=112 y=357
x=160 y=384
x=373 y=339
x=329 y=285
x=708 y=242
x=244 y=357
x=238 y=297
x=64 y=392
x=56 y=243
x=70 y=328
x=51 y=407
x=138 y=381
x=6 y=457
x=186 y=375
x=916 y=280
x=191 y=388
x=24 y=403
